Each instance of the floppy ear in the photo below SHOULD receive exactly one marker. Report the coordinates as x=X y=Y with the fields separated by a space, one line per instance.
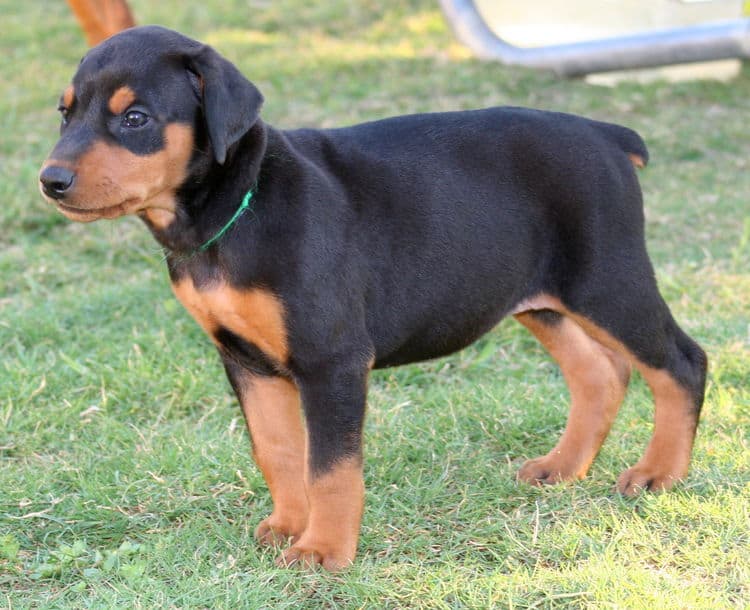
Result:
x=231 y=103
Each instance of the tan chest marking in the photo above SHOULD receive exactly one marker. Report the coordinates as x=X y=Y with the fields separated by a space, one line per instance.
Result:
x=256 y=315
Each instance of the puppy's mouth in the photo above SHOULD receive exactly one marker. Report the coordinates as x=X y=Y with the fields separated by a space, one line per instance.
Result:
x=91 y=214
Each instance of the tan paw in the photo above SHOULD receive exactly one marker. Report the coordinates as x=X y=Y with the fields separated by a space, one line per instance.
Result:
x=275 y=531
x=641 y=478
x=548 y=470
x=309 y=556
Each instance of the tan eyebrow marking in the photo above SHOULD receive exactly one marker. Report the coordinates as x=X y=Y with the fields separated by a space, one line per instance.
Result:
x=121 y=100
x=68 y=96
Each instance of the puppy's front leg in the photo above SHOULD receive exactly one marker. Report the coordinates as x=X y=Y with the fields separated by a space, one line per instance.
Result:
x=334 y=405
x=272 y=410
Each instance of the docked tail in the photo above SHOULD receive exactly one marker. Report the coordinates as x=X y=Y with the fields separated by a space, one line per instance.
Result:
x=628 y=141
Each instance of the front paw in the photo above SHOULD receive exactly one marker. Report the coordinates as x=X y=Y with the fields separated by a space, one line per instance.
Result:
x=276 y=531
x=645 y=477
x=309 y=556
x=549 y=470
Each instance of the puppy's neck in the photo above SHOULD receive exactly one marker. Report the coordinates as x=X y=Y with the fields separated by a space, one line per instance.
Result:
x=209 y=197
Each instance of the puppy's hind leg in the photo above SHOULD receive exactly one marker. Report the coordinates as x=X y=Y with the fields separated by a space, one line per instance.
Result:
x=597 y=379
x=674 y=367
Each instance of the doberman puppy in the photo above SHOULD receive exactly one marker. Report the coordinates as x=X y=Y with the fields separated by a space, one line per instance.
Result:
x=312 y=256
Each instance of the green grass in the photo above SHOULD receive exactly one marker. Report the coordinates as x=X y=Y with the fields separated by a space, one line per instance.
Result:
x=125 y=476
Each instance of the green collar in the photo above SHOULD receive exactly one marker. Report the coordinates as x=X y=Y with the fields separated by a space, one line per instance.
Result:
x=240 y=210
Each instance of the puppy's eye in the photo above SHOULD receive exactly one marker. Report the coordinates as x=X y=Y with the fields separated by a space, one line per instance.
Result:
x=63 y=113
x=134 y=118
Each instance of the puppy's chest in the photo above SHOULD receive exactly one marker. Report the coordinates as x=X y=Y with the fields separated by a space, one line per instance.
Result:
x=254 y=315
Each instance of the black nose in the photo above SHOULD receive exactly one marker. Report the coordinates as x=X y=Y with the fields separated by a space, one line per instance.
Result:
x=56 y=181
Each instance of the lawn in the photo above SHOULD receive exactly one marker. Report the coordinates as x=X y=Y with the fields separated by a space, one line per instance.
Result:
x=125 y=475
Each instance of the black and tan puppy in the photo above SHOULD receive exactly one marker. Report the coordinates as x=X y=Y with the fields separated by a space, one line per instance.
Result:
x=372 y=246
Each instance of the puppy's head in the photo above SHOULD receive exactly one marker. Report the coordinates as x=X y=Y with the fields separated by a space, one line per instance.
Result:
x=144 y=108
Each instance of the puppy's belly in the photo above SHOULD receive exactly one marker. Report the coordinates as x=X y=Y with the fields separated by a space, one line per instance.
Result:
x=440 y=336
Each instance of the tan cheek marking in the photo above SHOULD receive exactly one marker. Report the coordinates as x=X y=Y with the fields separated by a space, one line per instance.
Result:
x=256 y=315
x=121 y=100
x=109 y=175
x=68 y=96
x=174 y=161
